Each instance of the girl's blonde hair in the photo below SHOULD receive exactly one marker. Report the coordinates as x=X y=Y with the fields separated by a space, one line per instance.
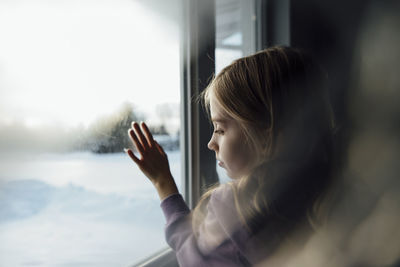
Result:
x=280 y=99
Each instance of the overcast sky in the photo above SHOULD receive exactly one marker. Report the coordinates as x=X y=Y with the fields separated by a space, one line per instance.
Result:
x=70 y=62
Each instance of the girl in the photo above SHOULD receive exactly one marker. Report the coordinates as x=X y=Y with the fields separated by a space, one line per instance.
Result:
x=273 y=136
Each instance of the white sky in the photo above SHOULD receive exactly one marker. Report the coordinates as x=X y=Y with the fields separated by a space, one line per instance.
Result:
x=72 y=61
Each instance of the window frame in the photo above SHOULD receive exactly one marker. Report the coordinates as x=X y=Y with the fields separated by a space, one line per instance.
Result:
x=198 y=67
x=163 y=258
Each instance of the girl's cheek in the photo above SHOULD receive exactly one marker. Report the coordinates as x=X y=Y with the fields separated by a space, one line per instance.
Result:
x=234 y=157
x=241 y=157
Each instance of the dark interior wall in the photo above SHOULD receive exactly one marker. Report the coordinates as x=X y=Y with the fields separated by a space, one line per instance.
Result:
x=357 y=42
x=329 y=30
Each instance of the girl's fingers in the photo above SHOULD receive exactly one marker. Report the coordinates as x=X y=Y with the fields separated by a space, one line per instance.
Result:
x=135 y=141
x=132 y=156
x=148 y=134
x=140 y=135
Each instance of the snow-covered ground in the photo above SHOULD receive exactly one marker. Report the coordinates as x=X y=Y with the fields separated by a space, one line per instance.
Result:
x=78 y=209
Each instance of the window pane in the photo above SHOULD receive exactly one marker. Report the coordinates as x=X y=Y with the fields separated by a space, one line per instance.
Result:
x=73 y=75
x=235 y=33
x=229 y=37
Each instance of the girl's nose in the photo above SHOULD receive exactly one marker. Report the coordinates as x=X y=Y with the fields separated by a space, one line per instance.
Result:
x=211 y=145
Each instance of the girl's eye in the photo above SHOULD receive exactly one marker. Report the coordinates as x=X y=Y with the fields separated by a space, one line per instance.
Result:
x=219 y=132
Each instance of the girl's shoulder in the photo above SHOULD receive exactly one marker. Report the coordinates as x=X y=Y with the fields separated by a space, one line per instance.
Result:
x=221 y=222
x=222 y=206
x=223 y=211
x=222 y=192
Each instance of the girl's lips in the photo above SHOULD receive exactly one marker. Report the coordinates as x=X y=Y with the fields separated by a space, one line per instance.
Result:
x=221 y=164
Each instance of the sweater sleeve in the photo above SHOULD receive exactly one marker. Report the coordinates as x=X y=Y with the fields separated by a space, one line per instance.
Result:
x=213 y=244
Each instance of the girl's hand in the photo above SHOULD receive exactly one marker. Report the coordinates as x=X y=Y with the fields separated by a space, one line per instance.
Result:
x=153 y=161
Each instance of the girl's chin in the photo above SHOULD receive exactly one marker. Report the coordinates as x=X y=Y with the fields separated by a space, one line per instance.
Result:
x=231 y=175
x=235 y=175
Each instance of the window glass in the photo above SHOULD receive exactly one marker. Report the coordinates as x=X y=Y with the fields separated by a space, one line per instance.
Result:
x=235 y=33
x=229 y=36
x=73 y=75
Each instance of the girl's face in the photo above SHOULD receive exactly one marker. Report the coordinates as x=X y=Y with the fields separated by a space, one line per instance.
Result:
x=228 y=142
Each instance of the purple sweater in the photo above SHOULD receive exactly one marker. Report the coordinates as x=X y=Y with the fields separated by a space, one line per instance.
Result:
x=222 y=240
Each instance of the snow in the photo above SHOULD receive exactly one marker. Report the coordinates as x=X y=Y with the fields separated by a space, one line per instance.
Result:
x=78 y=209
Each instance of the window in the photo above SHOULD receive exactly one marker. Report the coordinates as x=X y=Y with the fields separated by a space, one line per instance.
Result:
x=235 y=38
x=73 y=74
x=235 y=30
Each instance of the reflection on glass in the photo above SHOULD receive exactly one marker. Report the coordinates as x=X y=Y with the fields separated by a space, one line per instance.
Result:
x=73 y=75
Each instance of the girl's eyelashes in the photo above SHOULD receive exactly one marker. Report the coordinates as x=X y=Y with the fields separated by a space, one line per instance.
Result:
x=219 y=131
